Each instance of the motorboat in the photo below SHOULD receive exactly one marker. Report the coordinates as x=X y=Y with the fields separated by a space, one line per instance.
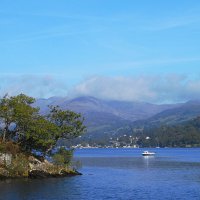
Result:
x=147 y=153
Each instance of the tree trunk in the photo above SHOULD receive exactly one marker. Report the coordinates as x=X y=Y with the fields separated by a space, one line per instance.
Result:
x=5 y=132
x=4 y=135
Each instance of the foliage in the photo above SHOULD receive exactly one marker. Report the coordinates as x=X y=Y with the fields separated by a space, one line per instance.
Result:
x=23 y=124
x=16 y=114
x=19 y=166
x=70 y=123
x=9 y=147
x=58 y=159
x=63 y=157
x=41 y=135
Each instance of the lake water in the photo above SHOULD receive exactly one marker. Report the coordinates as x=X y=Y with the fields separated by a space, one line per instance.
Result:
x=118 y=174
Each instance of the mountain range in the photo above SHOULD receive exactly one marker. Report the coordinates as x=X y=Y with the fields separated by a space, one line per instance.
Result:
x=177 y=115
x=108 y=116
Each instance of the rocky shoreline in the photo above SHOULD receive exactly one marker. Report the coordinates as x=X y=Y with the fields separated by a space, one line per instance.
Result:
x=44 y=174
x=36 y=174
x=38 y=169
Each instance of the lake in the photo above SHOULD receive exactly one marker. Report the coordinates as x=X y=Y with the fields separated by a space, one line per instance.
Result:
x=118 y=174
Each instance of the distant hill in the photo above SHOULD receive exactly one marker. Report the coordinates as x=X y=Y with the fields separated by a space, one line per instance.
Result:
x=126 y=110
x=102 y=116
x=105 y=119
x=172 y=116
x=186 y=134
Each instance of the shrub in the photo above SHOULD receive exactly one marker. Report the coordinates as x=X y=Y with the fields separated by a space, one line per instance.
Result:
x=9 y=147
x=58 y=159
x=63 y=157
x=19 y=166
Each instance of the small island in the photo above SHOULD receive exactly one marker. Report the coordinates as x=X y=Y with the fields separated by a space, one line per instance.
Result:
x=28 y=140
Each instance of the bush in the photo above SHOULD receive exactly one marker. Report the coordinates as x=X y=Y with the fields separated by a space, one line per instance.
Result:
x=58 y=159
x=9 y=147
x=19 y=166
x=63 y=157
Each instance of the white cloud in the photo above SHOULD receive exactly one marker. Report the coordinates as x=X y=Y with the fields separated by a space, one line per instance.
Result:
x=33 y=85
x=157 y=89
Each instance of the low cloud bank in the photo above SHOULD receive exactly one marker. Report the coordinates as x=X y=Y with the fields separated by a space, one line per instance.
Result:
x=155 y=89
x=39 y=86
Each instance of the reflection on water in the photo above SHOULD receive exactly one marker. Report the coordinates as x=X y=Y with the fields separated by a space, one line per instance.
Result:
x=118 y=174
x=147 y=160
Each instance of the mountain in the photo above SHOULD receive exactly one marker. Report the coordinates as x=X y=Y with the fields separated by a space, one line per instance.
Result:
x=186 y=134
x=130 y=111
x=177 y=115
x=105 y=118
x=102 y=116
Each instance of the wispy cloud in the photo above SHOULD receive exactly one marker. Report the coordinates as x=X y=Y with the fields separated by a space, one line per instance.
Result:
x=54 y=32
x=171 y=23
x=148 y=63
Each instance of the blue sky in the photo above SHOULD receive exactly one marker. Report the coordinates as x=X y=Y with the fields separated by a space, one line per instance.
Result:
x=76 y=47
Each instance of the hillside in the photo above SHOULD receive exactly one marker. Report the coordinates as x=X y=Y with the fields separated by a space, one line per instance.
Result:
x=176 y=115
x=126 y=110
x=111 y=119
x=102 y=116
x=186 y=134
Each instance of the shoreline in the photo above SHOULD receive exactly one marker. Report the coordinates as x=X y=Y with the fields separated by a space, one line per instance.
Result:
x=34 y=168
x=36 y=174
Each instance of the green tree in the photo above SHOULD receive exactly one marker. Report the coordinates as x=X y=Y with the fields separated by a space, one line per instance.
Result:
x=40 y=135
x=63 y=157
x=69 y=122
x=15 y=114
x=22 y=123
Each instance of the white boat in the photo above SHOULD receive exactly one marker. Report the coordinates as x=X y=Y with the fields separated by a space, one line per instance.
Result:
x=147 y=153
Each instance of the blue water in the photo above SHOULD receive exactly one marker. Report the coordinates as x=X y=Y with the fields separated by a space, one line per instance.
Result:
x=118 y=174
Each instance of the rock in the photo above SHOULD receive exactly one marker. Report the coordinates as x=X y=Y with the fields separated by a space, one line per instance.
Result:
x=38 y=174
x=5 y=158
x=46 y=174
x=39 y=169
x=77 y=173
x=63 y=172
x=4 y=173
x=33 y=160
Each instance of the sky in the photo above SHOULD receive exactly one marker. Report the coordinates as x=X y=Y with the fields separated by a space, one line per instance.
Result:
x=126 y=50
